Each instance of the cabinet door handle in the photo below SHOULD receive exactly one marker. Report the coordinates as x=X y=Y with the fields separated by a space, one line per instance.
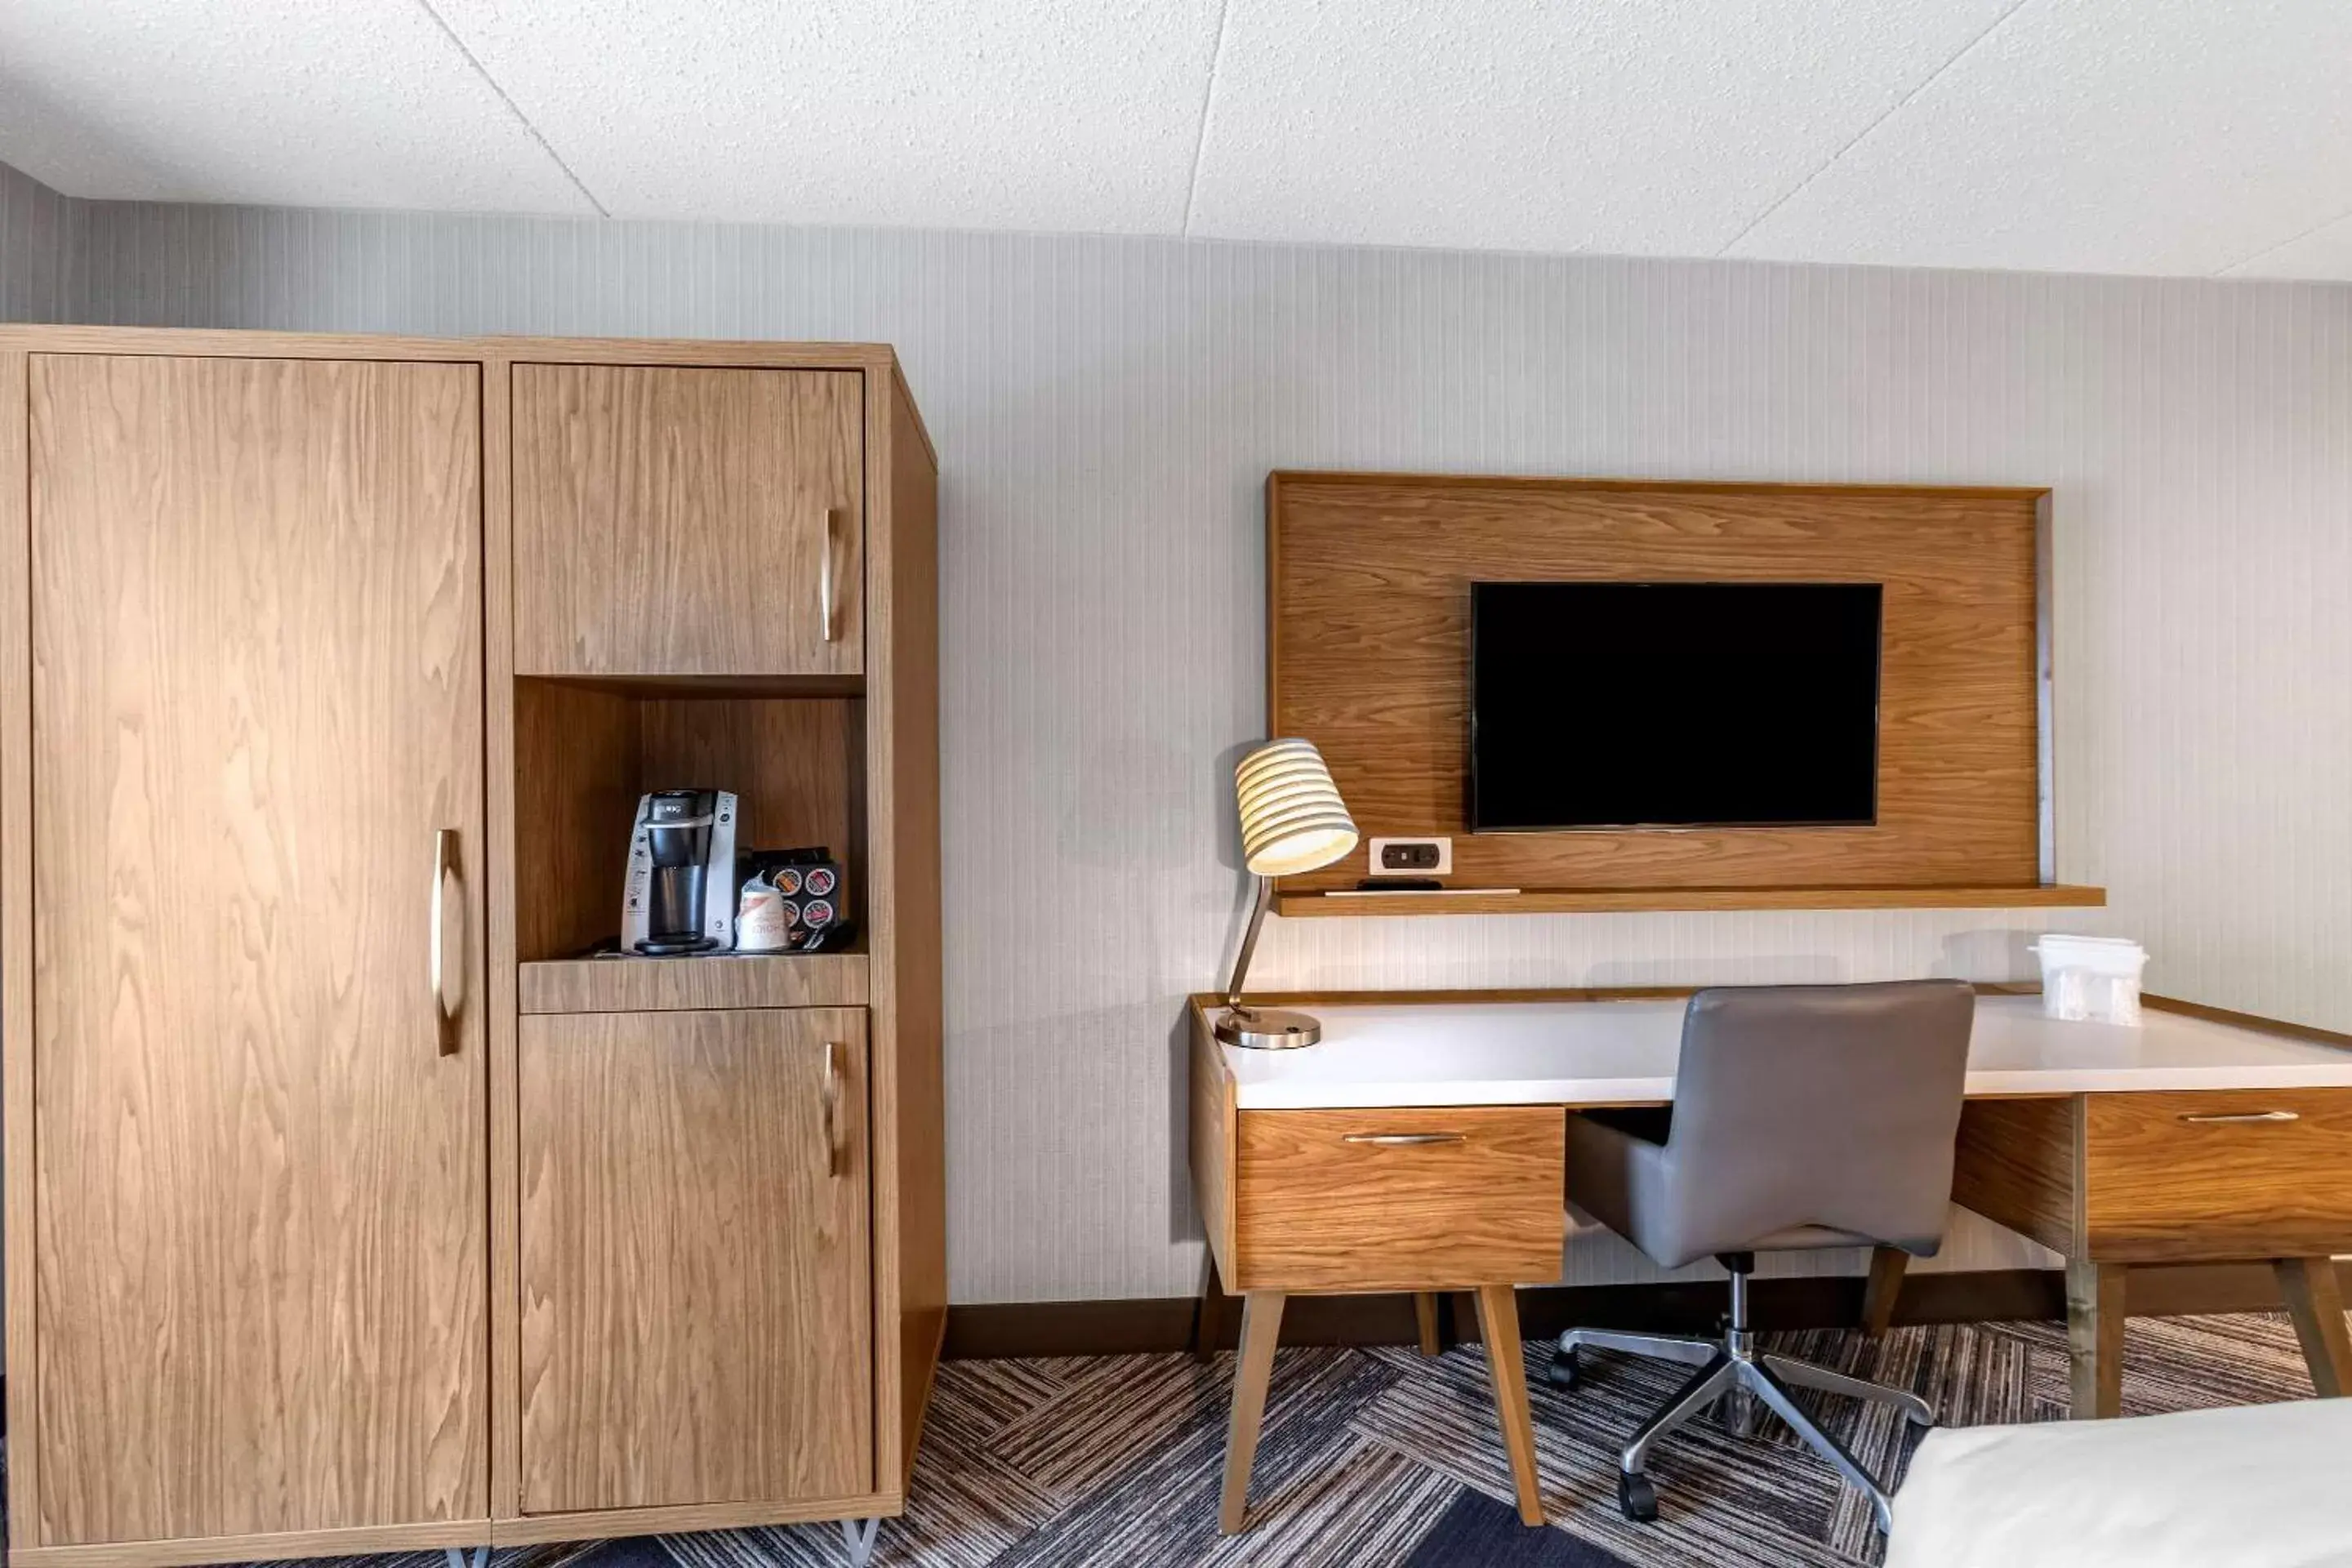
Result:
x=829 y=1106
x=2213 y=1115
x=824 y=575
x=1404 y=1139
x=446 y=1006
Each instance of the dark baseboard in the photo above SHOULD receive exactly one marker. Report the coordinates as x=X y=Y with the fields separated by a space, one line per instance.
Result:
x=1165 y=1324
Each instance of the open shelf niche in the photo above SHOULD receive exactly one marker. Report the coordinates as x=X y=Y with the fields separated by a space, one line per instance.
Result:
x=792 y=749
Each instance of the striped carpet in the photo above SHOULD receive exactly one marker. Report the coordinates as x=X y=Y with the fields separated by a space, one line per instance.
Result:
x=1379 y=1456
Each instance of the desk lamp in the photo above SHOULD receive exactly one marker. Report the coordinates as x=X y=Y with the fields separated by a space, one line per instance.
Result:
x=1293 y=820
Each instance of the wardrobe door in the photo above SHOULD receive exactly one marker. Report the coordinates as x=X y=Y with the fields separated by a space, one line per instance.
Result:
x=259 y=1128
x=689 y=521
x=698 y=1313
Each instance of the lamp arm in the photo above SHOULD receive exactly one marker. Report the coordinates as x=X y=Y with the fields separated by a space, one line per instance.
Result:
x=1249 y=943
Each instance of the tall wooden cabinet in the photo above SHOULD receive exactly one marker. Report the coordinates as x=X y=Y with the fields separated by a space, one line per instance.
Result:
x=349 y=1206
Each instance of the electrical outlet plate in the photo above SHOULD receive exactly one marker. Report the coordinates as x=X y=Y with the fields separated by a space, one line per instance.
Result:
x=1411 y=856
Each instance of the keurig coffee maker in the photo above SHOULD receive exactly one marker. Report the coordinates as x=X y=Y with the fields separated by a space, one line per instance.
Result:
x=680 y=891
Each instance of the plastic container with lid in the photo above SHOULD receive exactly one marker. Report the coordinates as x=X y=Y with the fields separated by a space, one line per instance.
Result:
x=2090 y=979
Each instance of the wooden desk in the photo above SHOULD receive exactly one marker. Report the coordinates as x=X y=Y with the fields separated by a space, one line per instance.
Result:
x=1419 y=1148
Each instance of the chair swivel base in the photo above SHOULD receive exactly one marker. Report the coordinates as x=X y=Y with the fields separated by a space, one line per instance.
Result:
x=1731 y=1366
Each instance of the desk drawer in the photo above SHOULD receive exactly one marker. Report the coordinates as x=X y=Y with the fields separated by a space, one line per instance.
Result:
x=1399 y=1199
x=2217 y=1174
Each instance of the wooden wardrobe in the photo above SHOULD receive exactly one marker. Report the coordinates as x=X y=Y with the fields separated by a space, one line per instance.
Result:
x=348 y=1207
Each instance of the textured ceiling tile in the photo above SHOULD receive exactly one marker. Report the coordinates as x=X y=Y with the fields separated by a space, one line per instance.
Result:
x=2324 y=254
x=311 y=102
x=1628 y=126
x=2160 y=136
x=1066 y=114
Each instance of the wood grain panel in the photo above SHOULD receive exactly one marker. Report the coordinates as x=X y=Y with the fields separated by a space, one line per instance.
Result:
x=1253 y=1374
x=2159 y=1186
x=902 y=622
x=260 y=1188
x=1213 y=1139
x=894 y=1431
x=500 y=865
x=642 y=687
x=201 y=343
x=697 y=1310
x=1507 y=1369
x=797 y=765
x=592 y=1524
x=364 y=1542
x=1368 y=586
x=2315 y=1304
x=1314 y=1211
x=1883 y=1290
x=691 y=985
x=2019 y=1161
x=673 y=521
x=575 y=790
x=18 y=1184
x=717 y=352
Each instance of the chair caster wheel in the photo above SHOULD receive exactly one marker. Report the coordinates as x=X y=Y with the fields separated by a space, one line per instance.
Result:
x=1564 y=1373
x=1637 y=1499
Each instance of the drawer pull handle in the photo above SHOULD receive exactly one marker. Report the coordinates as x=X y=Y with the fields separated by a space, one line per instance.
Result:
x=824 y=576
x=1403 y=1140
x=829 y=1107
x=445 y=1006
x=2243 y=1116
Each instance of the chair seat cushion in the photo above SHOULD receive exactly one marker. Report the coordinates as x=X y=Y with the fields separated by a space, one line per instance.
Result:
x=2253 y=1484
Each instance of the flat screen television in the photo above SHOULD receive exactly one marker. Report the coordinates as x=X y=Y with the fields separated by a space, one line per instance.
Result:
x=1612 y=705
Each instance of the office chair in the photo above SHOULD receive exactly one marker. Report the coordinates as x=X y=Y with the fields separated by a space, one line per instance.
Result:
x=1805 y=1117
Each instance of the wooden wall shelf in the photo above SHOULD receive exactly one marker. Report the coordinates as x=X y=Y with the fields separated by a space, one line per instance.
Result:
x=673 y=984
x=1621 y=900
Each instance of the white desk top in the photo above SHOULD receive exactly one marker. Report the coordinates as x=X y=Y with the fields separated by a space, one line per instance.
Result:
x=1600 y=1053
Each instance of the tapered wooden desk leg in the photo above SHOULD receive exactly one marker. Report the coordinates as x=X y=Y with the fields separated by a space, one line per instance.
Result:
x=1209 y=1315
x=2095 y=1337
x=2316 y=1304
x=1261 y=1326
x=1886 y=1267
x=1424 y=1316
x=1498 y=1330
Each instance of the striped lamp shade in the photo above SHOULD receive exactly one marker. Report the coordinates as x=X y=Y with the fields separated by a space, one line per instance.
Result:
x=1293 y=819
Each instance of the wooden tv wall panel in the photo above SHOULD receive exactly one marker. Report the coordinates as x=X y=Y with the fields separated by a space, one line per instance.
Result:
x=1369 y=582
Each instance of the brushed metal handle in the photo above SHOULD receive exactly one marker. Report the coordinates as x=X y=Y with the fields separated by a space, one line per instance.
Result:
x=1404 y=1139
x=824 y=575
x=446 y=1005
x=829 y=1106
x=2213 y=1115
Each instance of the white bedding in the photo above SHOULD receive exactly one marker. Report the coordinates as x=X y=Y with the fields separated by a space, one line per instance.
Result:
x=2262 y=1484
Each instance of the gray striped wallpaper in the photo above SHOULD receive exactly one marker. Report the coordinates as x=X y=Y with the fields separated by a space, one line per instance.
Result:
x=39 y=230
x=1105 y=411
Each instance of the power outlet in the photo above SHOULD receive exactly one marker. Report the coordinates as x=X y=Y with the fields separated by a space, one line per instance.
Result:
x=1413 y=856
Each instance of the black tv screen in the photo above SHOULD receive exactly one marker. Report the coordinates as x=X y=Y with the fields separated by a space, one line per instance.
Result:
x=1672 y=705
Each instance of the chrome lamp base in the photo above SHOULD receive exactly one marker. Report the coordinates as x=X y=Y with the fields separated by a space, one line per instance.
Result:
x=1267 y=1028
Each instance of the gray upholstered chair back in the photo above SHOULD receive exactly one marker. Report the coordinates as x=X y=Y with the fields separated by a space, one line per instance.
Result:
x=1820 y=1115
